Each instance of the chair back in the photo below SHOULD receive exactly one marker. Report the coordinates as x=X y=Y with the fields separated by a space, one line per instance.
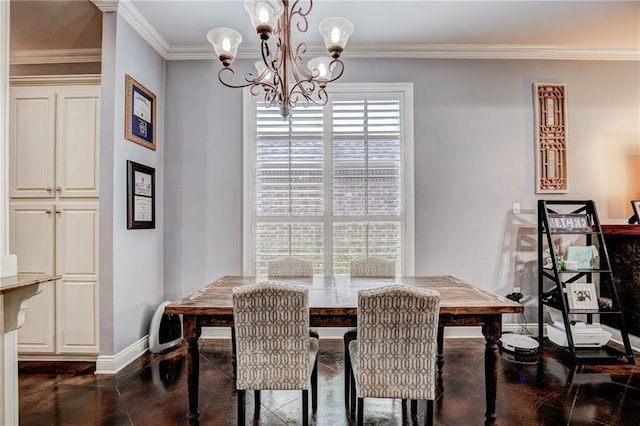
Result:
x=373 y=267
x=271 y=322
x=291 y=267
x=397 y=345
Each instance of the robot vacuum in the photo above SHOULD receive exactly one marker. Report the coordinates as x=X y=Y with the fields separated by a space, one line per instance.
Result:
x=519 y=348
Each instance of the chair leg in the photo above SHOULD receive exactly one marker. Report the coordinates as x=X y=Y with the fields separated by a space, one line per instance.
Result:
x=256 y=398
x=305 y=407
x=353 y=394
x=414 y=412
x=360 y=411
x=241 y=420
x=314 y=386
x=428 y=415
x=440 y=356
x=349 y=336
x=233 y=353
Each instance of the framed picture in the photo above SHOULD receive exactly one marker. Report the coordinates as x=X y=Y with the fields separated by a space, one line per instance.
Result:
x=550 y=108
x=141 y=188
x=582 y=296
x=140 y=114
x=636 y=209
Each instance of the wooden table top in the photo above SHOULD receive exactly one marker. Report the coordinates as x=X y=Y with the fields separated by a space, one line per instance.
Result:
x=339 y=295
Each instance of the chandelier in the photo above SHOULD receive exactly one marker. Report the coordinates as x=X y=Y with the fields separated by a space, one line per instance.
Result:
x=281 y=75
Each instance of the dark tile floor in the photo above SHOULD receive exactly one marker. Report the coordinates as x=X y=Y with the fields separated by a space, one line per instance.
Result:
x=152 y=391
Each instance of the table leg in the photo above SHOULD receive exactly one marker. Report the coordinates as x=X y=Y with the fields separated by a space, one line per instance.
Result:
x=191 y=332
x=492 y=330
x=440 y=356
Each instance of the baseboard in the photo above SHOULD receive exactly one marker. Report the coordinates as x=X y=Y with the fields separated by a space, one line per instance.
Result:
x=111 y=364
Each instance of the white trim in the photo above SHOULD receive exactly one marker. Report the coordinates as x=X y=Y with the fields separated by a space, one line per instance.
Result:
x=106 y=5
x=4 y=127
x=111 y=364
x=435 y=51
x=132 y=15
x=56 y=56
x=55 y=80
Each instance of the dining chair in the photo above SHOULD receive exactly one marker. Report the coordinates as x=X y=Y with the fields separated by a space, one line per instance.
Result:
x=291 y=267
x=367 y=267
x=373 y=267
x=394 y=355
x=274 y=350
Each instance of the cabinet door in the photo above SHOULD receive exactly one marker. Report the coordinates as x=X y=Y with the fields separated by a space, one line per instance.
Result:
x=32 y=130
x=77 y=292
x=77 y=136
x=32 y=240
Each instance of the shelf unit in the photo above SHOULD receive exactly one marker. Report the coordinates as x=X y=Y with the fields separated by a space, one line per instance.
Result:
x=560 y=221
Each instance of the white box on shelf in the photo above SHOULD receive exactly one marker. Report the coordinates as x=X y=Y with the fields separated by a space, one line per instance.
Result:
x=584 y=335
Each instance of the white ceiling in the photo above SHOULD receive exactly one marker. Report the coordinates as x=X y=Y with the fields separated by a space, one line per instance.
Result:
x=69 y=30
x=407 y=28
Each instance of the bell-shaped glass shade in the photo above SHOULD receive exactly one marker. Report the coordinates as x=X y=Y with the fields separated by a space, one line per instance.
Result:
x=262 y=70
x=336 y=33
x=320 y=67
x=264 y=15
x=225 y=42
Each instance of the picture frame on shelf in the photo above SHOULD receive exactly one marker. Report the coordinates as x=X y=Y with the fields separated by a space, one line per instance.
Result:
x=635 y=204
x=582 y=296
x=141 y=189
x=140 y=114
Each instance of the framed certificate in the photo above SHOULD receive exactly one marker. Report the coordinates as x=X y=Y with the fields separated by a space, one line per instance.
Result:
x=140 y=114
x=141 y=184
x=582 y=296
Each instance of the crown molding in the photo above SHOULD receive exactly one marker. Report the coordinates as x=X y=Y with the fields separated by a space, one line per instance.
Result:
x=56 y=56
x=55 y=80
x=132 y=15
x=437 y=51
x=106 y=5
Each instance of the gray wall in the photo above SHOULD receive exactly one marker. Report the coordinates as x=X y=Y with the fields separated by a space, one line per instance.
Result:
x=131 y=261
x=474 y=157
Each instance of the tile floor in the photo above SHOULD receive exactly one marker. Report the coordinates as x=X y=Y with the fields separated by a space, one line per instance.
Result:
x=152 y=391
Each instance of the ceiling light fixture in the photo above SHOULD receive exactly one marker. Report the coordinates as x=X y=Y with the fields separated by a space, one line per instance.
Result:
x=279 y=65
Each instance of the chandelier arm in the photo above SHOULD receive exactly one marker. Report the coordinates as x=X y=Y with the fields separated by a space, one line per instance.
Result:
x=333 y=64
x=297 y=9
x=250 y=82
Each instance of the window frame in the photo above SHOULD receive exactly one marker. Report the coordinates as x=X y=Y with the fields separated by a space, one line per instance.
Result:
x=404 y=92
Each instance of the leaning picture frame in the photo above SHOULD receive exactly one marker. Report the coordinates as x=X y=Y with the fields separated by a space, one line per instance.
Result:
x=141 y=188
x=635 y=204
x=582 y=296
x=140 y=114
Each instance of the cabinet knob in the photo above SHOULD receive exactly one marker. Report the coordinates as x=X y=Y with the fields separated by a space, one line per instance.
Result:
x=48 y=189
x=48 y=211
x=58 y=189
x=58 y=211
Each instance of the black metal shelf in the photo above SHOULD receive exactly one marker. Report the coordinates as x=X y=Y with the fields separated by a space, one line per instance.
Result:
x=593 y=355
x=566 y=216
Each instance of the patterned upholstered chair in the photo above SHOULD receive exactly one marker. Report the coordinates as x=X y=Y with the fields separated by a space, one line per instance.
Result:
x=290 y=267
x=368 y=267
x=373 y=267
x=274 y=350
x=391 y=319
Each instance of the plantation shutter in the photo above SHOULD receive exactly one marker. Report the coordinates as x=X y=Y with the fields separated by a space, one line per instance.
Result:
x=328 y=183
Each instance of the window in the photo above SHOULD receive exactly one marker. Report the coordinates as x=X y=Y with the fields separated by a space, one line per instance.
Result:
x=331 y=183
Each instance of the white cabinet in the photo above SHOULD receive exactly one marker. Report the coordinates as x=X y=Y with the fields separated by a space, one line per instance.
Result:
x=59 y=238
x=53 y=141
x=53 y=227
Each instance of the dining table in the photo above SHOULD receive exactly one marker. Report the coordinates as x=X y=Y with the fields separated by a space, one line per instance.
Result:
x=333 y=302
